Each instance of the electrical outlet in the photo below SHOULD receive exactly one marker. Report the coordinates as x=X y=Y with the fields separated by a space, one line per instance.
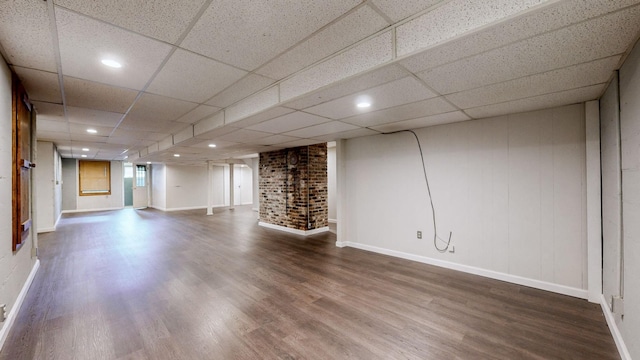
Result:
x=419 y=235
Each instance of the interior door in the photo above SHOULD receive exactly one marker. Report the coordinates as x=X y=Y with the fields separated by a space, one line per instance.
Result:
x=22 y=165
x=140 y=183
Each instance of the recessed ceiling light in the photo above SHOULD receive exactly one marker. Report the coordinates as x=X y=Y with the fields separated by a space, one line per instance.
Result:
x=126 y=157
x=363 y=101
x=85 y=149
x=148 y=162
x=176 y=155
x=111 y=63
x=84 y=155
x=92 y=131
x=212 y=145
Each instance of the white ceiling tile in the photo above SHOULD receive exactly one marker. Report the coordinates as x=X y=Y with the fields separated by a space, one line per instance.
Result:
x=538 y=102
x=364 y=56
x=399 y=10
x=52 y=126
x=192 y=77
x=54 y=136
x=27 y=22
x=549 y=82
x=403 y=112
x=399 y=92
x=322 y=129
x=128 y=142
x=219 y=145
x=258 y=31
x=439 y=119
x=183 y=135
x=361 y=82
x=208 y=124
x=165 y=143
x=156 y=108
x=49 y=111
x=164 y=20
x=263 y=116
x=40 y=85
x=197 y=114
x=84 y=42
x=548 y=18
x=82 y=129
x=240 y=90
x=93 y=117
x=298 y=143
x=214 y=133
x=92 y=95
x=289 y=122
x=346 y=135
x=252 y=105
x=276 y=139
x=88 y=138
x=594 y=39
x=339 y=35
x=243 y=136
x=454 y=18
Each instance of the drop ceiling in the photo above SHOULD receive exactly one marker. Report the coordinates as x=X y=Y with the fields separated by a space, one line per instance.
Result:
x=255 y=76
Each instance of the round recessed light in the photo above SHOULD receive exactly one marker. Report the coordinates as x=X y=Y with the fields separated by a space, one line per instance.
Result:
x=85 y=149
x=363 y=104
x=84 y=155
x=176 y=155
x=212 y=145
x=148 y=162
x=111 y=63
x=126 y=157
x=92 y=131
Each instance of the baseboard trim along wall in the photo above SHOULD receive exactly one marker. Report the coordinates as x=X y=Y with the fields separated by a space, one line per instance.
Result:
x=90 y=210
x=615 y=332
x=333 y=221
x=46 y=230
x=537 y=284
x=294 y=231
x=11 y=318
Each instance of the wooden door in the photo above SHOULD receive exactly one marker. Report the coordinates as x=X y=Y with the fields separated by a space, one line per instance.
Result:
x=22 y=164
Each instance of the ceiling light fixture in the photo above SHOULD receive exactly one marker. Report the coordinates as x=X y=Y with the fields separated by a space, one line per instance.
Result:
x=363 y=101
x=212 y=145
x=92 y=131
x=85 y=149
x=176 y=155
x=84 y=155
x=111 y=63
x=148 y=162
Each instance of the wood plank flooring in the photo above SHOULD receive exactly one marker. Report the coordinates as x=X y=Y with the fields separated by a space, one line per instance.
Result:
x=143 y=284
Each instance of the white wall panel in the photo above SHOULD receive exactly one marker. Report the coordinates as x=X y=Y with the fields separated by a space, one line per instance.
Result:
x=511 y=189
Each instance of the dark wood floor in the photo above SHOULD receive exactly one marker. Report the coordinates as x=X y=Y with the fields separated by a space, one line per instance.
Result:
x=150 y=285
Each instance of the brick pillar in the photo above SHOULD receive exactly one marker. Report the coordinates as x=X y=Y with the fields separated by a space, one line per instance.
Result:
x=293 y=187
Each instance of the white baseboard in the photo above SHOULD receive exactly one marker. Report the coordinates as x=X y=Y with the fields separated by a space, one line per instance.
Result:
x=543 y=285
x=186 y=208
x=613 y=327
x=11 y=318
x=294 y=231
x=46 y=230
x=333 y=221
x=157 y=208
x=91 y=210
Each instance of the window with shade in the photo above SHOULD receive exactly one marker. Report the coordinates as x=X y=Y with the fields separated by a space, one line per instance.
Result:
x=95 y=177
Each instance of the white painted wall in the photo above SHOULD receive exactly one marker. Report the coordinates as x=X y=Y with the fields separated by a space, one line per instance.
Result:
x=331 y=182
x=158 y=183
x=15 y=268
x=69 y=184
x=186 y=187
x=49 y=192
x=630 y=145
x=511 y=190
x=104 y=202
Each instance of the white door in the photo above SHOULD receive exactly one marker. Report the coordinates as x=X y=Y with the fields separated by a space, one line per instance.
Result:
x=140 y=182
